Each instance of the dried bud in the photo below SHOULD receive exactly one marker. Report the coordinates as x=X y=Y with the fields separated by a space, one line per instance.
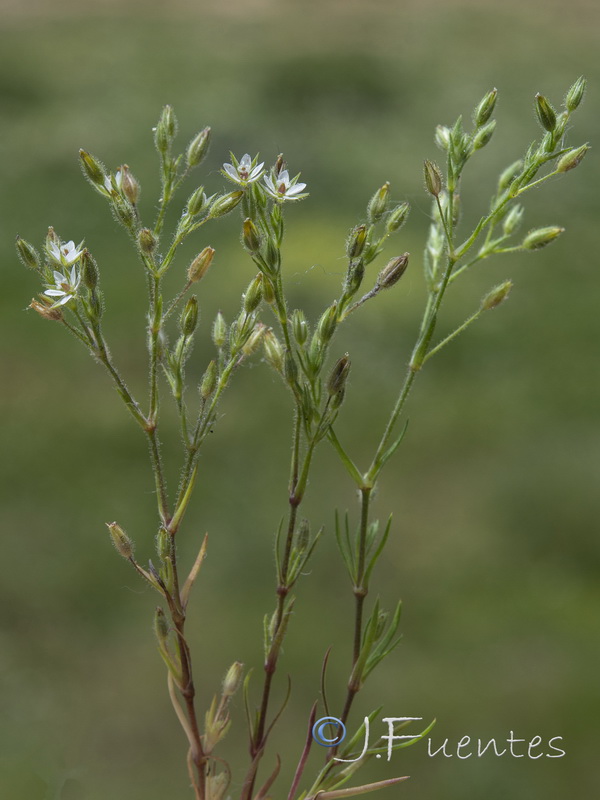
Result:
x=89 y=270
x=199 y=266
x=197 y=202
x=121 y=541
x=147 y=241
x=27 y=253
x=442 y=137
x=189 y=316
x=546 y=114
x=279 y=165
x=273 y=350
x=253 y=295
x=251 y=236
x=328 y=323
x=485 y=109
x=219 y=330
x=161 y=626
x=496 y=296
x=356 y=241
x=198 y=148
x=299 y=327
x=484 y=134
x=129 y=185
x=92 y=169
x=47 y=312
x=397 y=218
x=233 y=679
x=225 y=203
x=508 y=175
x=339 y=375
x=433 y=178
x=393 y=271
x=572 y=159
x=378 y=203
x=209 y=381
x=513 y=220
x=575 y=94
x=539 y=238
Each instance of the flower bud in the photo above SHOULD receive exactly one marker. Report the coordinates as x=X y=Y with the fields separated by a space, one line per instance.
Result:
x=123 y=211
x=251 y=236
x=272 y=255
x=47 y=312
x=165 y=130
x=233 y=679
x=496 y=296
x=273 y=350
x=339 y=375
x=575 y=94
x=290 y=368
x=197 y=202
x=393 y=271
x=356 y=241
x=279 y=165
x=189 y=316
x=129 y=185
x=219 y=330
x=572 y=159
x=89 y=270
x=539 y=238
x=161 y=626
x=163 y=544
x=338 y=399
x=378 y=203
x=121 y=541
x=433 y=178
x=268 y=290
x=199 y=266
x=397 y=218
x=252 y=342
x=147 y=241
x=442 y=137
x=485 y=109
x=299 y=327
x=209 y=381
x=484 y=134
x=27 y=253
x=225 y=203
x=253 y=295
x=328 y=323
x=546 y=114
x=198 y=148
x=513 y=220
x=92 y=169
x=508 y=175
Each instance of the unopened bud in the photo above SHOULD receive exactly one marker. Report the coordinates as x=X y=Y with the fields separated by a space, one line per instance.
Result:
x=47 y=312
x=268 y=290
x=163 y=544
x=279 y=165
x=123 y=211
x=27 y=253
x=251 y=236
x=253 y=295
x=572 y=159
x=272 y=255
x=252 y=342
x=484 y=134
x=485 y=109
x=273 y=350
x=496 y=296
x=121 y=541
x=165 y=130
x=89 y=270
x=233 y=679
x=393 y=271
x=129 y=185
x=433 y=178
x=339 y=375
x=197 y=202
x=299 y=327
x=378 y=203
x=302 y=539
x=539 y=238
x=356 y=241
x=508 y=175
x=198 y=148
x=189 y=317
x=219 y=330
x=546 y=114
x=513 y=220
x=199 y=266
x=209 y=381
x=161 y=626
x=225 y=203
x=92 y=169
x=290 y=368
x=442 y=137
x=328 y=323
x=147 y=241
x=575 y=94
x=397 y=217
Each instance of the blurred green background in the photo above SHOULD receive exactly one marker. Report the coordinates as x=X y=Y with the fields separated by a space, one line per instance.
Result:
x=494 y=548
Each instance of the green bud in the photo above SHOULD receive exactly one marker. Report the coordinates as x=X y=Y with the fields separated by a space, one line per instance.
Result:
x=161 y=627
x=89 y=270
x=251 y=236
x=209 y=381
x=92 y=169
x=442 y=137
x=165 y=130
x=575 y=94
x=123 y=211
x=338 y=399
x=197 y=202
x=163 y=544
x=328 y=323
x=121 y=541
x=299 y=327
x=393 y=271
x=268 y=290
x=397 y=218
x=339 y=375
x=272 y=255
x=189 y=316
x=253 y=295
x=290 y=368
x=508 y=175
x=199 y=266
x=484 y=134
x=233 y=679
x=356 y=241
x=273 y=350
x=378 y=204
x=354 y=277
x=496 y=296
x=198 y=148
x=572 y=159
x=27 y=253
x=546 y=114
x=433 y=178
x=513 y=220
x=225 y=203
x=219 y=330
x=539 y=238
x=252 y=342
x=485 y=109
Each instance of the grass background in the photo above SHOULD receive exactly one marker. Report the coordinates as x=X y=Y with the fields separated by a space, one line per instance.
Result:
x=494 y=550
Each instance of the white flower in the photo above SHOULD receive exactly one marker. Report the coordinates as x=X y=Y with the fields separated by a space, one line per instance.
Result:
x=65 y=286
x=64 y=254
x=244 y=171
x=112 y=182
x=282 y=188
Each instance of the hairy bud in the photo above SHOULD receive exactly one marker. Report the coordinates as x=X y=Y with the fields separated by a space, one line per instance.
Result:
x=198 y=148
x=485 y=109
x=27 y=253
x=572 y=159
x=393 y=271
x=545 y=113
x=224 y=204
x=433 y=178
x=378 y=203
x=496 y=296
x=121 y=541
x=541 y=237
x=199 y=266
